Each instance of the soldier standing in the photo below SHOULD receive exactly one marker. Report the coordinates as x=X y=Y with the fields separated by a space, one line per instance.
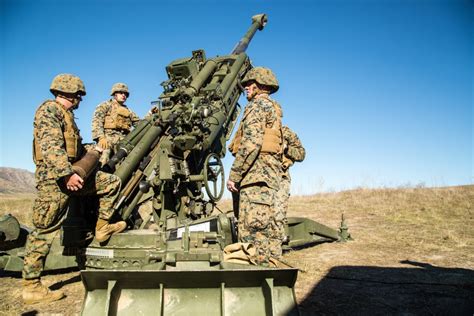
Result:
x=256 y=171
x=112 y=121
x=293 y=151
x=57 y=145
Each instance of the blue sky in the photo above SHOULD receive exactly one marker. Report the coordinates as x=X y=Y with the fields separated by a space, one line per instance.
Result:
x=380 y=92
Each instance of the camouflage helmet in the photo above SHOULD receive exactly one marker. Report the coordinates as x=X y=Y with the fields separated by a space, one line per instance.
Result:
x=263 y=76
x=119 y=87
x=67 y=83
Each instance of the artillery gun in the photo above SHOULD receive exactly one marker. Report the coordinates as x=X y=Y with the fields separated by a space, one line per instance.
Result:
x=170 y=261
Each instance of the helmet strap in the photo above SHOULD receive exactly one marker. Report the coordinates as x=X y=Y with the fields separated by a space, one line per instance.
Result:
x=263 y=89
x=74 y=100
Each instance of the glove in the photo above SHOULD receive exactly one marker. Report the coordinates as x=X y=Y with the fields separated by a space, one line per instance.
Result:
x=103 y=143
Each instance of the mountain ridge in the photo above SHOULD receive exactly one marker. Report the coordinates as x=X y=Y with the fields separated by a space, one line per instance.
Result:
x=16 y=180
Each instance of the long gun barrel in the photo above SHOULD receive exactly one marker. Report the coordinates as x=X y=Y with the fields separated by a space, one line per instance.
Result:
x=259 y=22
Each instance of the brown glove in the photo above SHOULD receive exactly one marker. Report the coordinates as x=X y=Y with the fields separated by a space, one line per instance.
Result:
x=103 y=143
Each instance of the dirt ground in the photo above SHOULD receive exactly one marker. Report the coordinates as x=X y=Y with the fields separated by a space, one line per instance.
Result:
x=412 y=254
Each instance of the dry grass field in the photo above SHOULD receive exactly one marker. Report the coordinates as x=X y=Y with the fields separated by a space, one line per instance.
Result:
x=412 y=254
x=19 y=205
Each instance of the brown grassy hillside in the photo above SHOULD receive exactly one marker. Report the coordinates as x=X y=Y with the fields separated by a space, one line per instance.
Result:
x=412 y=254
x=13 y=180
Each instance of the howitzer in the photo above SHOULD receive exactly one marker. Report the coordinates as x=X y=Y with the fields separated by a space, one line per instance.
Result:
x=171 y=260
x=176 y=151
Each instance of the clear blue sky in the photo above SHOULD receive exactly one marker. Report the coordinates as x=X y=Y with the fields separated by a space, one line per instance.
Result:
x=380 y=92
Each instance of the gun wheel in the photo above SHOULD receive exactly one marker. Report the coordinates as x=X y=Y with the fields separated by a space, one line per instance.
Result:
x=214 y=177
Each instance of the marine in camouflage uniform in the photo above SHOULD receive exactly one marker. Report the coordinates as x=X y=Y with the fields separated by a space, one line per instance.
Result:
x=256 y=171
x=57 y=146
x=293 y=151
x=112 y=121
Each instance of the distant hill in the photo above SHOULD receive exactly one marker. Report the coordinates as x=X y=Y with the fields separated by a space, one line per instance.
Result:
x=14 y=180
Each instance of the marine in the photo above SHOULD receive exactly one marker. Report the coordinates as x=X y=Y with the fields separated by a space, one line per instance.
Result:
x=57 y=153
x=293 y=151
x=113 y=120
x=256 y=171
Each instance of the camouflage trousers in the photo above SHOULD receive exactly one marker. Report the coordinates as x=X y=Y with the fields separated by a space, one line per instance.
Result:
x=257 y=222
x=113 y=138
x=49 y=208
x=281 y=210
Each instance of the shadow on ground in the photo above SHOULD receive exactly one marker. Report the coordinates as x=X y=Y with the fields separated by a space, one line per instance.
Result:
x=419 y=289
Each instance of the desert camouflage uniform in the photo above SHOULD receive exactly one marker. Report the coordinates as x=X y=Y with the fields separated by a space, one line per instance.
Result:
x=293 y=151
x=113 y=135
x=49 y=206
x=258 y=175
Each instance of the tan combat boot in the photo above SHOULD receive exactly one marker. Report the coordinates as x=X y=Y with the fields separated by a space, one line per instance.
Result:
x=103 y=230
x=35 y=292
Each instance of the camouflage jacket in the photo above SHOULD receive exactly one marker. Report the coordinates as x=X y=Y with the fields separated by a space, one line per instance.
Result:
x=101 y=115
x=250 y=166
x=48 y=128
x=294 y=150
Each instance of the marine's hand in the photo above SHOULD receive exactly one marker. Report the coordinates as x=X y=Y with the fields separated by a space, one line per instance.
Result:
x=98 y=149
x=73 y=182
x=103 y=143
x=232 y=187
x=153 y=110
